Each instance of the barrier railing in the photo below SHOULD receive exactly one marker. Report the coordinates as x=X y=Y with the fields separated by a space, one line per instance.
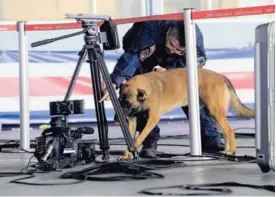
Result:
x=189 y=18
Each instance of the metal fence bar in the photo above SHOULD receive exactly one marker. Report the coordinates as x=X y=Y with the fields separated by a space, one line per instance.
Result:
x=24 y=86
x=192 y=76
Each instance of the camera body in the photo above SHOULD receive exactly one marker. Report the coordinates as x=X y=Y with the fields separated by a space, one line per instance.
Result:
x=65 y=108
x=60 y=146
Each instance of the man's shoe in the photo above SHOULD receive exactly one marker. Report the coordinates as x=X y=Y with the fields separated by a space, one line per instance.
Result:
x=149 y=150
x=147 y=153
x=212 y=145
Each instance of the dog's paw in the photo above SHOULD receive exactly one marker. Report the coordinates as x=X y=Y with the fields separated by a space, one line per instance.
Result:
x=127 y=156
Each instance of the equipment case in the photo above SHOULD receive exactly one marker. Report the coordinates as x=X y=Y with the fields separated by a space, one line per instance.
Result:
x=265 y=95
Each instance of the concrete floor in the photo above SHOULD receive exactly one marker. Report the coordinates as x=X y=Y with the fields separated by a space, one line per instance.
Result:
x=197 y=172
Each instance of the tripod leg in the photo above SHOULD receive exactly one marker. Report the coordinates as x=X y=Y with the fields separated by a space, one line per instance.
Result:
x=82 y=55
x=115 y=102
x=99 y=107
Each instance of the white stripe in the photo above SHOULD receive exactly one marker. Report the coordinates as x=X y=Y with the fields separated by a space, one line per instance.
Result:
x=11 y=104
x=47 y=55
x=49 y=69
x=67 y=69
x=231 y=65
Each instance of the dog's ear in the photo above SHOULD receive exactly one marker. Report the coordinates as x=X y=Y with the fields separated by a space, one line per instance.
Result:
x=142 y=95
x=122 y=86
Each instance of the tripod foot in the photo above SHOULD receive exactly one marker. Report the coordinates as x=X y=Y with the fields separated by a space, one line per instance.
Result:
x=106 y=155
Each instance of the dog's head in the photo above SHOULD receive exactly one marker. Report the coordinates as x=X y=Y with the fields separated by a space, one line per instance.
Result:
x=132 y=98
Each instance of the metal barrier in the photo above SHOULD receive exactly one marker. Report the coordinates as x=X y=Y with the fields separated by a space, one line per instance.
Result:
x=265 y=95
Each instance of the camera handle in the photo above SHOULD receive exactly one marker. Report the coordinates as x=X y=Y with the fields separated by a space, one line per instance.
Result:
x=97 y=66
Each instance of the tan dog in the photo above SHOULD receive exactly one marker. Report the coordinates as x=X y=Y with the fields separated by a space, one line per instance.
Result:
x=161 y=92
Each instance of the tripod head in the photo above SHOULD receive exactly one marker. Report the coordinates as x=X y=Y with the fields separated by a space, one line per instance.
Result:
x=89 y=17
x=108 y=34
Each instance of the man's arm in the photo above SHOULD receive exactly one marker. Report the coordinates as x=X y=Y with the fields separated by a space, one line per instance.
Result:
x=200 y=49
x=125 y=67
x=138 y=45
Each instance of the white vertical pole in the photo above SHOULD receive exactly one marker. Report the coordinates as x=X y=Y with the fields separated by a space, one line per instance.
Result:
x=2 y=4
x=156 y=7
x=148 y=7
x=93 y=6
x=24 y=86
x=192 y=76
x=209 y=4
x=144 y=7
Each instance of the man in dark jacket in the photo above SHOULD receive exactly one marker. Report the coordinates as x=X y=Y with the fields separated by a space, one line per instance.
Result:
x=159 y=46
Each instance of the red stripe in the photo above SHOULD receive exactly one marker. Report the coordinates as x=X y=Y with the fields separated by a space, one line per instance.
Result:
x=85 y=80
x=9 y=87
x=57 y=86
x=44 y=86
x=256 y=10
x=7 y=27
x=38 y=27
x=241 y=80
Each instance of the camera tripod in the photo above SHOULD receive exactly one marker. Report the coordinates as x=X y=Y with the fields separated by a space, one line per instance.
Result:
x=92 y=49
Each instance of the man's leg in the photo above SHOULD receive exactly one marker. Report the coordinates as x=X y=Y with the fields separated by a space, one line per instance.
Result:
x=210 y=135
x=150 y=144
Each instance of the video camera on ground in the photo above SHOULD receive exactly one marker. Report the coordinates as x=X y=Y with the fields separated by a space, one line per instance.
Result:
x=60 y=146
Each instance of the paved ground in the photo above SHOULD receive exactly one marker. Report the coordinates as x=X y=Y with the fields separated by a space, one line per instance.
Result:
x=196 y=172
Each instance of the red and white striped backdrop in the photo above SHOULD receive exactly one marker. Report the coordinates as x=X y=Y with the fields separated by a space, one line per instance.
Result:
x=49 y=81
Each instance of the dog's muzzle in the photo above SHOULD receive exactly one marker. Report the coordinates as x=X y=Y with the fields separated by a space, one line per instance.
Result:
x=127 y=108
x=130 y=111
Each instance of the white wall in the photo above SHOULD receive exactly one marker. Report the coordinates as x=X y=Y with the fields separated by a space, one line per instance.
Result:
x=248 y=3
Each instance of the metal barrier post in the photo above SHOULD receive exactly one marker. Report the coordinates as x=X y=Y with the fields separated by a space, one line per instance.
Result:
x=93 y=6
x=156 y=7
x=192 y=76
x=144 y=6
x=24 y=86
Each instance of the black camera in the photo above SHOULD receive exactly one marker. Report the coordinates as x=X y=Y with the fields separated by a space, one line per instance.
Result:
x=60 y=146
x=108 y=34
x=71 y=107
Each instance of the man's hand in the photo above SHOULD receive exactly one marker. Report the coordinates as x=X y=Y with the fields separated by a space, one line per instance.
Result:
x=106 y=96
x=200 y=65
x=201 y=62
x=159 y=69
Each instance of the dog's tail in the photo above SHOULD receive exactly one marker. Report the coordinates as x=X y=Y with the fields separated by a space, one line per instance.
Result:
x=235 y=102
